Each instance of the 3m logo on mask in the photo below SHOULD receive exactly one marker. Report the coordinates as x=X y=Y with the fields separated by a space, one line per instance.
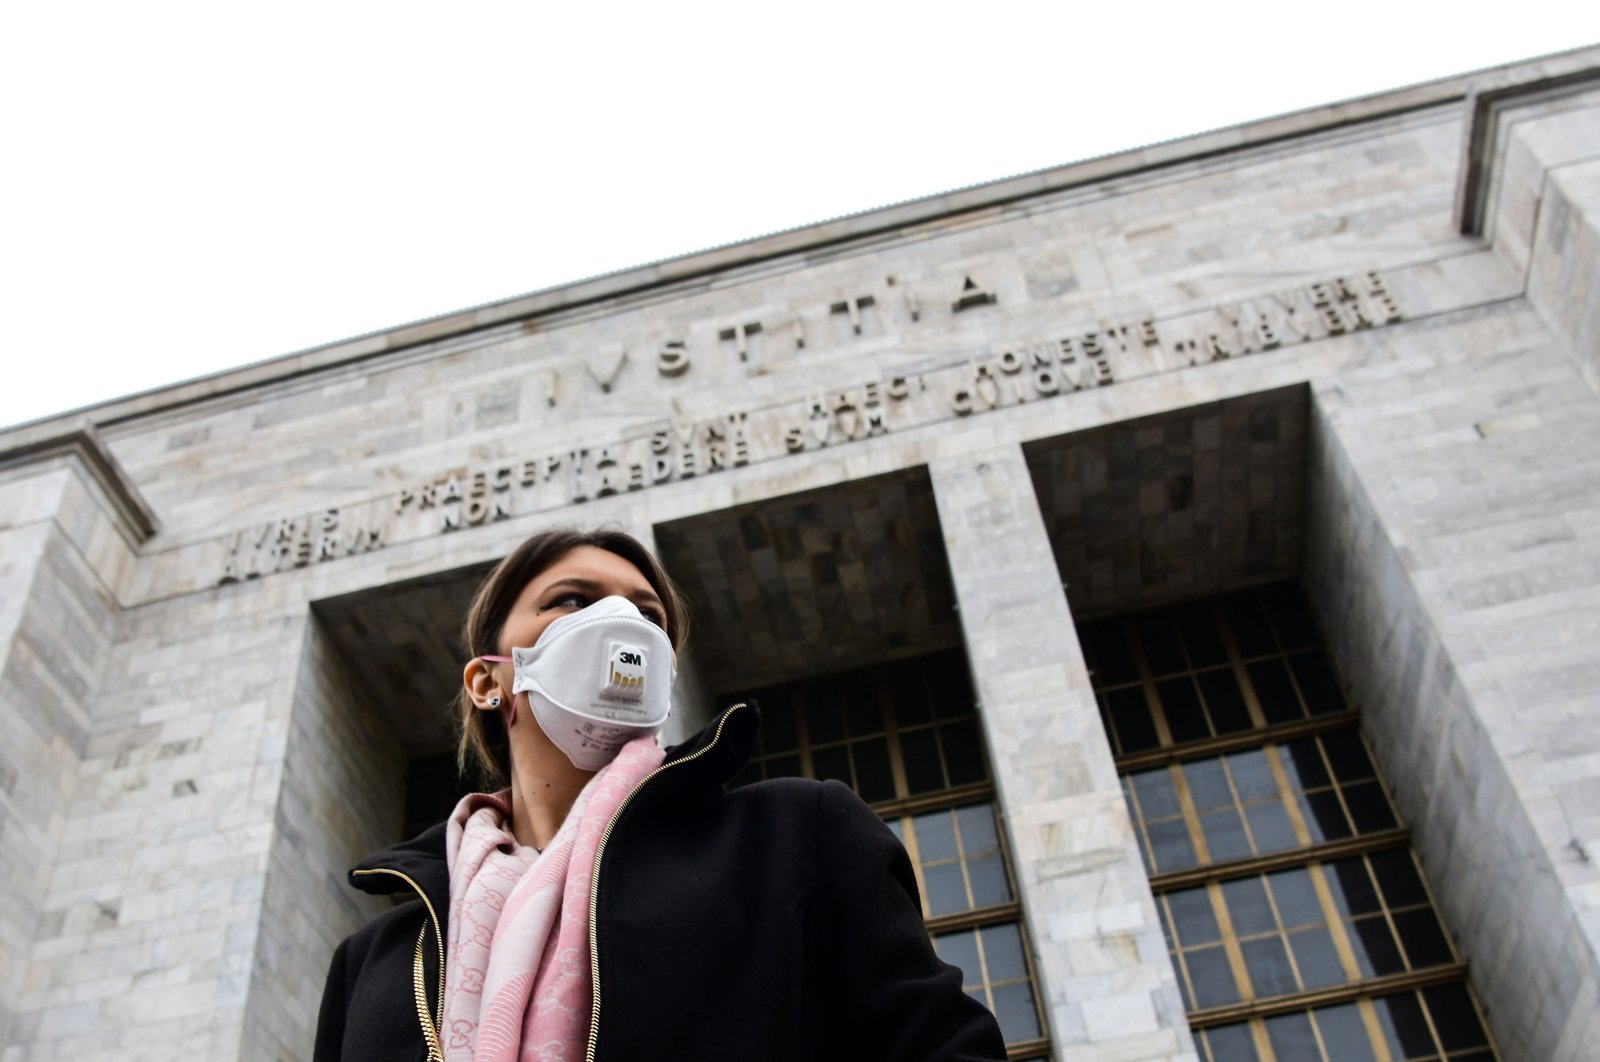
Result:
x=625 y=668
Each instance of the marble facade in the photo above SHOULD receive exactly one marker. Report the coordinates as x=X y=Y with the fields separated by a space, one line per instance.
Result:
x=1365 y=337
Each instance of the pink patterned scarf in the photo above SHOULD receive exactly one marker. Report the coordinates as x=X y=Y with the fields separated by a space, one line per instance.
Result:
x=517 y=968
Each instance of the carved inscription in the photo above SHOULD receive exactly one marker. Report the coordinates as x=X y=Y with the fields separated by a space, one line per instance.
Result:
x=1009 y=375
x=740 y=335
x=296 y=542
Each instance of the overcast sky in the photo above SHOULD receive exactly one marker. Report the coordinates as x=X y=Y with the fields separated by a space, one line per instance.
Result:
x=190 y=187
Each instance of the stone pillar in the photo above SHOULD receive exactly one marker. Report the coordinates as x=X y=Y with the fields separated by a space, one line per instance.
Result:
x=1464 y=625
x=1101 y=960
x=68 y=524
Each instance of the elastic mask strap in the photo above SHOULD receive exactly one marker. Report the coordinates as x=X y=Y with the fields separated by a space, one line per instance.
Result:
x=497 y=659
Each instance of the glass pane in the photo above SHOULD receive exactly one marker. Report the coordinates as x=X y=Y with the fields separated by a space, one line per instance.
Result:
x=1269 y=826
x=1225 y=837
x=1369 y=808
x=832 y=763
x=1317 y=684
x=1224 y=701
x=1268 y=963
x=1348 y=756
x=1192 y=916
x=1292 y=1039
x=1181 y=705
x=1248 y=624
x=949 y=684
x=1398 y=877
x=1455 y=1017
x=1344 y=1034
x=1170 y=845
x=783 y=766
x=1002 y=951
x=961 y=951
x=1274 y=692
x=1404 y=1026
x=1208 y=784
x=919 y=751
x=976 y=822
x=1160 y=644
x=861 y=713
x=947 y=889
x=1131 y=717
x=1158 y=797
x=1304 y=764
x=778 y=731
x=1324 y=816
x=1317 y=958
x=1375 y=948
x=1248 y=906
x=936 y=836
x=874 y=779
x=910 y=701
x=1296 y=898
x=1108 y=654
x=963 y=752
x=1422 y=937
x=824 y=719
x=1352 y=889
x=987 y=875
x=1014 y=1010
x=1231 y=1043
x=1252 y=775
x=1199 y=630
x=1211 y=977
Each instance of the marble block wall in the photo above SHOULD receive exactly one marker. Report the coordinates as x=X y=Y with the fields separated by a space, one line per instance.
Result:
x=1455 y=567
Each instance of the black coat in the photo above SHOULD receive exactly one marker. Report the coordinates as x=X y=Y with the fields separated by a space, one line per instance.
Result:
x=776 y=921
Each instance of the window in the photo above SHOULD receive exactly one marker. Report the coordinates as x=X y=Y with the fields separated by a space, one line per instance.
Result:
x=1297 y=918
x=905 y=737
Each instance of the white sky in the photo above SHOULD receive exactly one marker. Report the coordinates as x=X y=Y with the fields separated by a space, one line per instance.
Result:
x=189 y=187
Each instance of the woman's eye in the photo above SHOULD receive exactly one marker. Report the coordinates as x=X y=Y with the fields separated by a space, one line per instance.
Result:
x=568 y=601
x=656 y=617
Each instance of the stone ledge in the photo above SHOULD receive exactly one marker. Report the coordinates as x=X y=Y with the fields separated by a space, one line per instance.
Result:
x=1485 y=106
x=135 y=519
x=698 y=266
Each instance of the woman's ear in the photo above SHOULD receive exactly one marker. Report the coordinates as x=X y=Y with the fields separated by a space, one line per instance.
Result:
x=477 y=678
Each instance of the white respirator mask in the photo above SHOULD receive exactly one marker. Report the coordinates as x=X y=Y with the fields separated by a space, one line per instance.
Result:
x=596 y=679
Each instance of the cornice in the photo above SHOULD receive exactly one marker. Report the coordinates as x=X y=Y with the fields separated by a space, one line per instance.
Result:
x=82 y=444
x=1485 y=89
x=1485 y=105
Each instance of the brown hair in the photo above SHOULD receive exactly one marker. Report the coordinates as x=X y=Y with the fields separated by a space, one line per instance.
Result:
x=482 y=744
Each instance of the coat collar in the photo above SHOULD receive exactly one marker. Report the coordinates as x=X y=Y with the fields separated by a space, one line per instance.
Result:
x=704 y=763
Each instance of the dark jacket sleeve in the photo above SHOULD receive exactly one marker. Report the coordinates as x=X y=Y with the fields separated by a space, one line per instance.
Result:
x=901 y=1001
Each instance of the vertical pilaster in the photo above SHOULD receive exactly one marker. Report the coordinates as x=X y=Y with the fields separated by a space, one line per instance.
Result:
x=1102 y=963
x=68 y=523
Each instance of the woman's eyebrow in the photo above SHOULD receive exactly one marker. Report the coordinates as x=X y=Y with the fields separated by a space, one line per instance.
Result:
x=578 y=582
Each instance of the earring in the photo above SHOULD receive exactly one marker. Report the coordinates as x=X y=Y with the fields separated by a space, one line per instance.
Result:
x=494 y=702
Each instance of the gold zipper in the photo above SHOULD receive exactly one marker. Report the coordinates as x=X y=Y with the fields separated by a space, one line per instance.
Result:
x=594 y=881
x=430 y=1025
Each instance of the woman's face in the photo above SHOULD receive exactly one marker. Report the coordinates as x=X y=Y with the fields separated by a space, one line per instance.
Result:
x=577 y=579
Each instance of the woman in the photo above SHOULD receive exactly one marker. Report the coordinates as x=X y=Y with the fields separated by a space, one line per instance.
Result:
x=613 y=901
